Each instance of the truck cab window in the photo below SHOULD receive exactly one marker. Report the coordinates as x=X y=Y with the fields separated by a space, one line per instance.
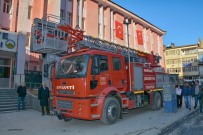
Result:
x=116 y=63
x=99 y=64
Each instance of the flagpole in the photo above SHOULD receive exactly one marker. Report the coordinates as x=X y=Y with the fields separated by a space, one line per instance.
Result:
x=127 y=22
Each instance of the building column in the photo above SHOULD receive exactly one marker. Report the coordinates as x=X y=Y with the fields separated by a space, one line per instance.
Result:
x=112 y=26
x=134 y=35
x=126 y=34
x=150 y=36
x=158 y=39
x=145 y=40
x=80 y=13
x=101 y=16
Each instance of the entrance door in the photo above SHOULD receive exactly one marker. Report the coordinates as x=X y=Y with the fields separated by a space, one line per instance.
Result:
x=5 y=71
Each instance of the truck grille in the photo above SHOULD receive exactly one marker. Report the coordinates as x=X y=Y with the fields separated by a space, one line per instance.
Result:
x=68 y=92
x=65 y=104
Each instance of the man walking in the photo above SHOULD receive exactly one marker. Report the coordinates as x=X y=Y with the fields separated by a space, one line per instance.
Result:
x=43 y=96
x=21 y=91
x=196 y=93
x=187 y=93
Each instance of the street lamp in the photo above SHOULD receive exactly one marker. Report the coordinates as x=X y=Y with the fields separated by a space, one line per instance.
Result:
x=127 y=22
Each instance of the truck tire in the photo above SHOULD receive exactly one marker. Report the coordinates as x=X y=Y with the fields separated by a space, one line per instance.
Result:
x=156 y=105
x=111 y=111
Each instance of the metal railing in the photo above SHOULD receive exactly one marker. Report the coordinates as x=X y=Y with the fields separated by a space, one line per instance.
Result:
x=32 y=85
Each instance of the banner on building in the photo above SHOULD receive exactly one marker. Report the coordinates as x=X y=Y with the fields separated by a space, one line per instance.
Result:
x=139 y=37
x=119 y=30
x=187 y=64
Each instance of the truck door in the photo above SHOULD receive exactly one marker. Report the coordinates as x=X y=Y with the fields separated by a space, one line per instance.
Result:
x=118 y=73
x=100 y=74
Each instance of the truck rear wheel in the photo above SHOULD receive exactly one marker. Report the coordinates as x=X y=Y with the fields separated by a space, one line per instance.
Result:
x=111 y=111
x=156 y=105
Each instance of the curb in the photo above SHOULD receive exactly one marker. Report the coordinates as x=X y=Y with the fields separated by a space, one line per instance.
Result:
x=166 y=130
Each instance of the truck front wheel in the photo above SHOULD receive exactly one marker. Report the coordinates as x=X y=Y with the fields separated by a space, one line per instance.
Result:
x=111 y=111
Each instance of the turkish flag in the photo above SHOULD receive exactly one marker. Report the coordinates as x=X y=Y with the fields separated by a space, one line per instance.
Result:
x=119 y=30
x=139 y=37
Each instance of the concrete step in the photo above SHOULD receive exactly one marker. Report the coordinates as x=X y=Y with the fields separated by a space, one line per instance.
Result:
x=11 y=105
x=8 y=102
x=8 y=94
x=8 y=109
x=7 y=98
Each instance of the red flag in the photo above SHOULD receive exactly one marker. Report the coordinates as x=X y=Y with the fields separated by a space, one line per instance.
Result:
x=139 y=37
x=119 y=30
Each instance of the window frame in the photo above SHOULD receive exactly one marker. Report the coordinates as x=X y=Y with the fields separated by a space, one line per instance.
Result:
x=120 y=66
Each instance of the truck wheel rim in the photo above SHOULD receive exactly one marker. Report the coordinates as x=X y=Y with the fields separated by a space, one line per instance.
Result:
x=112 y=111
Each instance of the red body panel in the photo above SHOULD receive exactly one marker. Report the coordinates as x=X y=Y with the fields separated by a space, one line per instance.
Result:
x=87 y=103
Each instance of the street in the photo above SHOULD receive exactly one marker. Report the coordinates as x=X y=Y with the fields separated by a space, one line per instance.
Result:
x=191 y=126
x=141 y=121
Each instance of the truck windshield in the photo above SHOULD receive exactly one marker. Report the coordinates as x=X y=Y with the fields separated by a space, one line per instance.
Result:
x=73 y=67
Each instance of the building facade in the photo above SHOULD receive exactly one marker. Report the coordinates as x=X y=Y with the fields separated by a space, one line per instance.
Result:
x=185 y=61
x=98 y=18
x=16 y=20
x=104 y=19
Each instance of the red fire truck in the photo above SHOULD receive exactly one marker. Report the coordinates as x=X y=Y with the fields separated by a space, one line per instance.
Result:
x=99 y=79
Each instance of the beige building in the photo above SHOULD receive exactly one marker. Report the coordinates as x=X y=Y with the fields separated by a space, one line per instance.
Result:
x=185 y=61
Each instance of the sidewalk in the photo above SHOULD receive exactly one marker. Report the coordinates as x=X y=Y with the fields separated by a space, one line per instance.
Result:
x=137 y=121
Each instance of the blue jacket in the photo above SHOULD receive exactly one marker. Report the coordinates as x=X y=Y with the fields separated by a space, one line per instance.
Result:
x=187 y=91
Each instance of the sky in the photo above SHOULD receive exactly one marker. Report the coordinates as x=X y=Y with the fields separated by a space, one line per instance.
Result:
x=181 y=19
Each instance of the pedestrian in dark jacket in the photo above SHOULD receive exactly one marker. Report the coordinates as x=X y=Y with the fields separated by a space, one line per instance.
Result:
x=43 y=96
x=200 y=100
x=187 y=93
x=21 y=91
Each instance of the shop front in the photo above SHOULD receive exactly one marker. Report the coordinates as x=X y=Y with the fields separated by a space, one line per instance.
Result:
x=8 y=49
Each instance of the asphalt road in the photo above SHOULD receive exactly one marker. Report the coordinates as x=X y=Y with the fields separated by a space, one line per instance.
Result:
x=191 y=126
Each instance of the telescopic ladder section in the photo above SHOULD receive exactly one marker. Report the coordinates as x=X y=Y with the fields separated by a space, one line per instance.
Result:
x=96 y=43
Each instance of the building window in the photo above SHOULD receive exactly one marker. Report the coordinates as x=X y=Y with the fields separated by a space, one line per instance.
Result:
x=6 y=6
x=62 y=13
x=83 y=23
x=104 y=30
x=99 y=29
x=78 y=6
x=29 y=12
x=28 y=39
x=190 y=69
x=201 y=58
x=69 y=16
x=190 y=51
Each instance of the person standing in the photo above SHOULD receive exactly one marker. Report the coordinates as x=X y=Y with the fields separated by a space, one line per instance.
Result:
x=43 y=96
x=179 y=96
x=196 y=93
x=21 y=91
x=187 y=93
x=200 y=96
